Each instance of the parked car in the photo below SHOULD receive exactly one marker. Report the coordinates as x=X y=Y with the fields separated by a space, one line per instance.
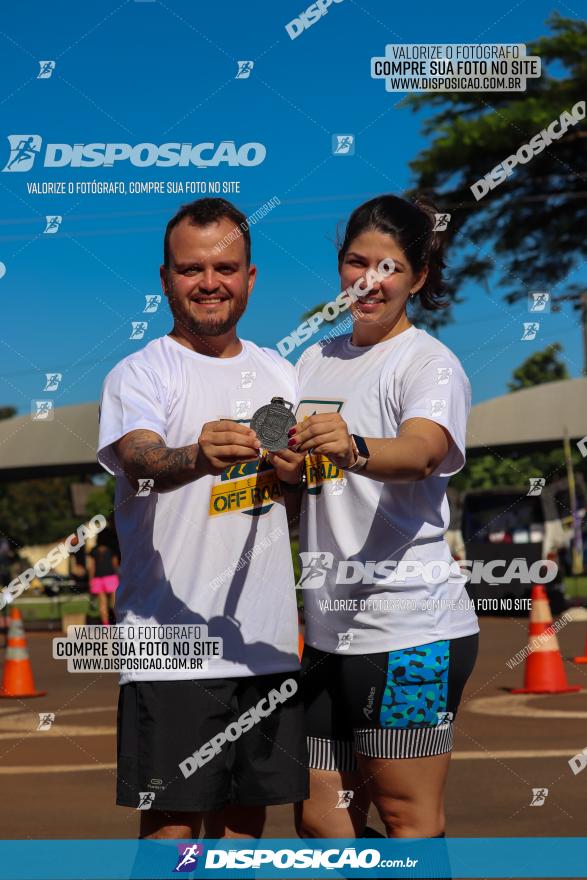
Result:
x=508 y=524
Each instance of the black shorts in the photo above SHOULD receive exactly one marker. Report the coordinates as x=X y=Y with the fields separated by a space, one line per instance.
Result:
x=260 y=759
x=397 y=704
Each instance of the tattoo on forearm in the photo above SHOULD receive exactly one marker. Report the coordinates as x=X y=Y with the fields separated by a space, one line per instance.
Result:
x=169 y=468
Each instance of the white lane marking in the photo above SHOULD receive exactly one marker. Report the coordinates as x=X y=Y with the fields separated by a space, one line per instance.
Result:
x=456 y=756
x=16 y=724
x=479 y=756
x=56 y=768
x=515 y=705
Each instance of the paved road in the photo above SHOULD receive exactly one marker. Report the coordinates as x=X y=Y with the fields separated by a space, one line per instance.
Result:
x=60 y=784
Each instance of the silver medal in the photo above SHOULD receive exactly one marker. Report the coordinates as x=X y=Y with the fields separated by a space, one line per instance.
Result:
x=272 y=422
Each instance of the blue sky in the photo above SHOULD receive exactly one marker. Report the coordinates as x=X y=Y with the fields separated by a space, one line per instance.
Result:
x=155 y=72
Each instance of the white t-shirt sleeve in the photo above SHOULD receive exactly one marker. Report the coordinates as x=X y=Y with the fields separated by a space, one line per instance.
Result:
x=437 y=389
x=288 y=369
x=133 y=398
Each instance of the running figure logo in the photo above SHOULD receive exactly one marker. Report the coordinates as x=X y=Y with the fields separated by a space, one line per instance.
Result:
x=539 y=795
x=537 y=484
x=146 y=799
x=138 y=329
x=443 y=375
x=344 y=799
x=244 y=69
x=53 y=224
x=188 y=856
x=42 y=410
x=47 y=68
x=343 y=145
x=314 y=568
x=441 y=222
x=530 y=330
x=152 y=301
x=344 y=640
x=46 y=719
x=53 y=380
x=145 y=486
x=23 y=151
x=539 y=301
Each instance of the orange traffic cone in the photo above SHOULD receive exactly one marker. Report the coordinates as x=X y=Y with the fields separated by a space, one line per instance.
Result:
x=544 y=672
x=300 y=642
x=582 y=659
x=18 y=675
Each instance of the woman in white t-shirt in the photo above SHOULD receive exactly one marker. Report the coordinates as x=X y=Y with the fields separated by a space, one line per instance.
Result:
x=391 y=635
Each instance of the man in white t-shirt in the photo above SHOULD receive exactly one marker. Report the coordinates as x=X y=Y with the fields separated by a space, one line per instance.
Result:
x=202 y=525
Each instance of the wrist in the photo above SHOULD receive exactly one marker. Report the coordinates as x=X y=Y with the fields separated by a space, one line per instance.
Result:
x=294 y=485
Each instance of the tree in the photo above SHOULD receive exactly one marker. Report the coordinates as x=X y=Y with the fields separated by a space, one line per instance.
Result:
x=540 y=367
x=534 y=221
x=101 y=500
x=37 y=511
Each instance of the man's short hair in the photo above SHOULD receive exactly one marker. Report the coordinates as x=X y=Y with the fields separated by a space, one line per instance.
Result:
x=202 y=212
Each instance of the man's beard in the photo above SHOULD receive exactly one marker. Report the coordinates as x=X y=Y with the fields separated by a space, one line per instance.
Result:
x=211 y=326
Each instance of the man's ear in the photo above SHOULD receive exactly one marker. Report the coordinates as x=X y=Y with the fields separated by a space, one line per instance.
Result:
x=252 y=278
x=164 y=278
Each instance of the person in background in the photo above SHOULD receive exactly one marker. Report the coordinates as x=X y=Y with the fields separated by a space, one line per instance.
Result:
x=102 y=565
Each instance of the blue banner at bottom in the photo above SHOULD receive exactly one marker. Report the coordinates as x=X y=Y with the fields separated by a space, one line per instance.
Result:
x=534 y=857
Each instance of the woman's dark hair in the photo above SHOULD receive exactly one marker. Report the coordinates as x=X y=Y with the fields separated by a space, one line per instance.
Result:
x=411 y=224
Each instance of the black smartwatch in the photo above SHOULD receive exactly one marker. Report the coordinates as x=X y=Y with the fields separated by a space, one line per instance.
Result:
x=361 y=454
